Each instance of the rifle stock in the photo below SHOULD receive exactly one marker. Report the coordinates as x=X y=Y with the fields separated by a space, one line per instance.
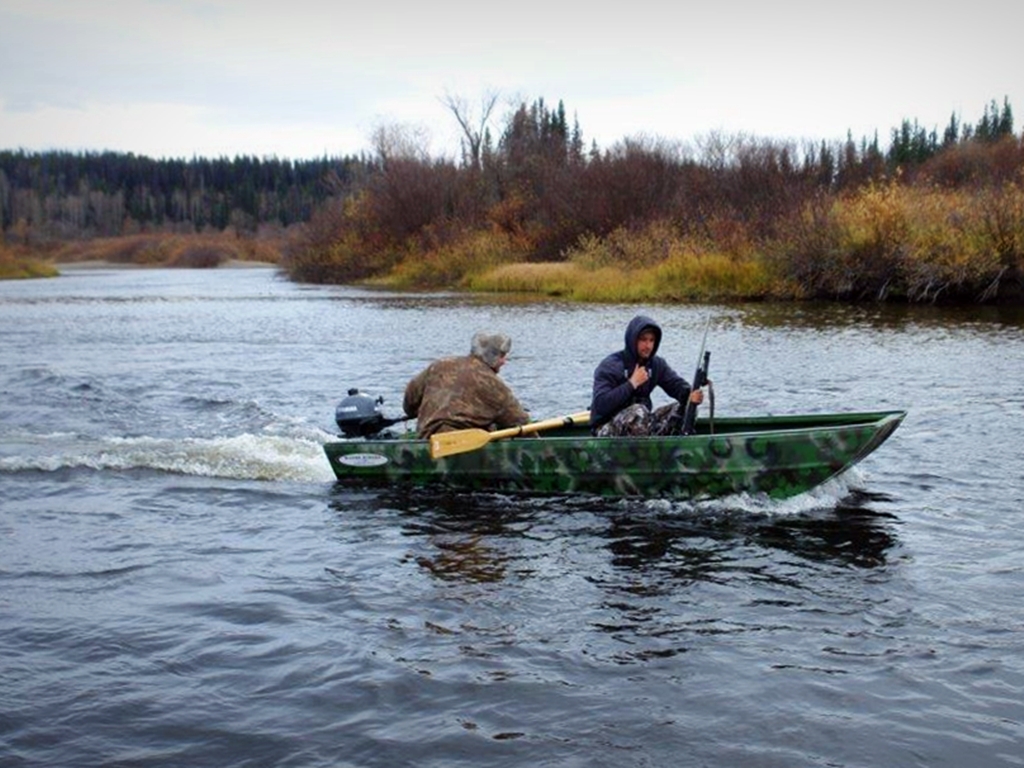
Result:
x=700 y=378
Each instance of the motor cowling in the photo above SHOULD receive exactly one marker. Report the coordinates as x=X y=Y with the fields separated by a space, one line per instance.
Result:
x=359 y=415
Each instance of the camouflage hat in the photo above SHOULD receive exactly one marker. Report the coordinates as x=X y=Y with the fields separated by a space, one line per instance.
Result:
x=489 y=347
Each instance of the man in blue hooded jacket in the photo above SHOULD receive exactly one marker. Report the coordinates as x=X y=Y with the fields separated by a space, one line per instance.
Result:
x=624 y=381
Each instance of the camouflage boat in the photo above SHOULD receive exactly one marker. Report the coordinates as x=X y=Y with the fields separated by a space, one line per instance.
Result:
x=779 y=456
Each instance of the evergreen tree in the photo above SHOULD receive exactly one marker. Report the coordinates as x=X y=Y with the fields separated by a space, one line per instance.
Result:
x=63 y=194
x=952 y=133
x=1005 y=125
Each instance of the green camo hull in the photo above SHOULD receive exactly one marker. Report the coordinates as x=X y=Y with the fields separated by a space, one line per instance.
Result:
x=779 y=456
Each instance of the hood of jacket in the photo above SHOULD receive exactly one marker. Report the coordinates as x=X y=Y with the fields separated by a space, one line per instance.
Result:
x=633 y=330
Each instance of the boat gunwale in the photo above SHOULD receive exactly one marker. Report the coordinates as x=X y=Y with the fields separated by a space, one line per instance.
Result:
x=366 y=460
x=788 y=424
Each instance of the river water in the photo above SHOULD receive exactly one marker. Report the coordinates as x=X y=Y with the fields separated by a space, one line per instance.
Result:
x=183 y=584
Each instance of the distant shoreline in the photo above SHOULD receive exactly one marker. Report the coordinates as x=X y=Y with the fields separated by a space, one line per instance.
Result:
x=72 y=266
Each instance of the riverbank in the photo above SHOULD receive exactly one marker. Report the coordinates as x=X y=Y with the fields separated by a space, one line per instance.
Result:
x=929 y=262
x=15 y=266
x=74 y=266
x=196 y=251
x=27 y=269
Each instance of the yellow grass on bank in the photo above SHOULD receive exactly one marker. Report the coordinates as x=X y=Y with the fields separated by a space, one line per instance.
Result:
x=652 y=263
x=455 y=263
x=18 y=266
x=679 y=278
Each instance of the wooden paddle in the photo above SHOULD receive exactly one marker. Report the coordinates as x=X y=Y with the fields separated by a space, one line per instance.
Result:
x=464 y=440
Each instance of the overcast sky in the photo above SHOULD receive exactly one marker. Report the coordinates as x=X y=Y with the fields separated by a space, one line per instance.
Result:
x=302 y=79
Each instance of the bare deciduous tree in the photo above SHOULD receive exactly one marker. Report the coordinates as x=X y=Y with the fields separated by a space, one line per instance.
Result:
x=399 y=141
x=473 y=128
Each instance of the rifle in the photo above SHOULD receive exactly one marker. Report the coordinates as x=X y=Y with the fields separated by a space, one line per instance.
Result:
x=700 y=378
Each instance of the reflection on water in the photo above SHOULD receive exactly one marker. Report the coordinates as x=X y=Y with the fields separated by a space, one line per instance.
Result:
x=895 y=317
x=850 y=534
x=769 y=315
x=643 y=581
x=475 y=537
x=384 y=299
x=464 y=558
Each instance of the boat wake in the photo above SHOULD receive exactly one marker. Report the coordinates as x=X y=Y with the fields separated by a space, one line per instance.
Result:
x=246 y=456
x=828 y=495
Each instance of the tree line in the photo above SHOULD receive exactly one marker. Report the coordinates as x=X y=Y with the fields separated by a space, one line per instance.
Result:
x=66 y=195
x=528 y=189
x=534 y=188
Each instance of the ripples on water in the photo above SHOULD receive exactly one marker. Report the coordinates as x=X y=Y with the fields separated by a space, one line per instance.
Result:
x=181 y=582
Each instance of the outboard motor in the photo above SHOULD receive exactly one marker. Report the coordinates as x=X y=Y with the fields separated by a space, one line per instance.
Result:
x=359 y=415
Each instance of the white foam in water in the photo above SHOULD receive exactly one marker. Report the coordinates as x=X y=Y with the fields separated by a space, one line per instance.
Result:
x=249 y=457
x=828 y=494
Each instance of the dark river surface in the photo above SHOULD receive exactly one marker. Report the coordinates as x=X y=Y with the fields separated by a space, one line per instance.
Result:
x=183 y=584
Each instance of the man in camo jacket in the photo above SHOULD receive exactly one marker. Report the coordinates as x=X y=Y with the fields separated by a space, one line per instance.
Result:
x=463 y=392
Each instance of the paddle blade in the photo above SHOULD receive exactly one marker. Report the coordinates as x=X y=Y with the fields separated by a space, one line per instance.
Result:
x=447 y=443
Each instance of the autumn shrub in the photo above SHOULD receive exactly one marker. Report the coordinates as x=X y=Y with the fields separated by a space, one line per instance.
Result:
x=808 y=249
x=265 y=247
x=637 y=180
x=340 y=245
x=624 y=248
x=943 y=254
x=452 y=262
x=1000 y=213
x=411 y=194
x=875 y=225
x=916 y=243
x=216 y=248
x=965 y=246
x=143 y=249
x=15 y=265
x=511 y=216
x=850 y=246
x=726 y=233
x=938 y=243
x=200 y=255
x=976 y=164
